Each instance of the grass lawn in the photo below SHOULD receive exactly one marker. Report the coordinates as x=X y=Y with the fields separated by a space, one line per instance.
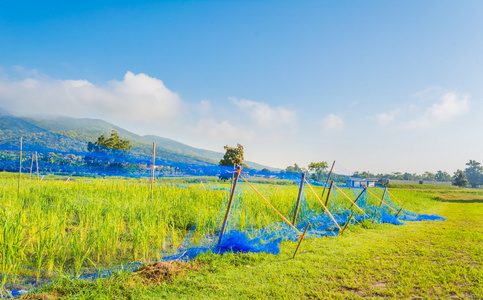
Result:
x=420 y=260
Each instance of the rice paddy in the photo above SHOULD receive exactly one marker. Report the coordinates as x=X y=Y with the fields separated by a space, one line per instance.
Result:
x=70 y=226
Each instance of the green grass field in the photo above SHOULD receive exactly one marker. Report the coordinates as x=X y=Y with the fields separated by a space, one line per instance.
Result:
x=419 y=260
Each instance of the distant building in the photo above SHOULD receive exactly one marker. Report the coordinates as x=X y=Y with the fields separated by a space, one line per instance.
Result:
x=361 y=182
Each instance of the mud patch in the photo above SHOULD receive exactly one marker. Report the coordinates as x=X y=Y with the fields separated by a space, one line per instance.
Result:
x=163 y=271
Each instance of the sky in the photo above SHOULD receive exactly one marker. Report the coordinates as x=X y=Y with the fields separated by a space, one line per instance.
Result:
x=378 y=86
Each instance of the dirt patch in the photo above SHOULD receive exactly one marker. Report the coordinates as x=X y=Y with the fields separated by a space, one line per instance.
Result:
x=43 y=296
x=162 y=271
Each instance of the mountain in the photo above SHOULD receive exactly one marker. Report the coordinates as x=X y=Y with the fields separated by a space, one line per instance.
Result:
x=87 y=130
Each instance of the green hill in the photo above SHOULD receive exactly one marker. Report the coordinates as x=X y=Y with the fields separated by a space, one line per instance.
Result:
x=86 y=130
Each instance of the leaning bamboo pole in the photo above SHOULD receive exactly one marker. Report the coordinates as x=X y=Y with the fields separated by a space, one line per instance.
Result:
x=272 y=207
x=327 y=181
x=382 y=201
x=317 y=196
x=353 y=203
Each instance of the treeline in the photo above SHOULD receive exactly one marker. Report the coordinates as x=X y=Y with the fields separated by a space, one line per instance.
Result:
x=428 y=176
x=472 y=176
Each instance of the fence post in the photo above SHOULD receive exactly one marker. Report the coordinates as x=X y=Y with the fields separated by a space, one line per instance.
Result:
x=383 y=194
x=230 y=203
x=20 y=168
x=297 y=205
x=152 y=172
x=328 y=194
x=328 y=178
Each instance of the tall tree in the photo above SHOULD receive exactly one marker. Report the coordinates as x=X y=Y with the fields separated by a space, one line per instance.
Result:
x=459 y=179
x=318 y=167
x=442 y=176
x=233 y=156
x=474 y=173
x=114 y=142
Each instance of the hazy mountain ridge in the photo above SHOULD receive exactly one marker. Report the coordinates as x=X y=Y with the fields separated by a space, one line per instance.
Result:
x=85 y=129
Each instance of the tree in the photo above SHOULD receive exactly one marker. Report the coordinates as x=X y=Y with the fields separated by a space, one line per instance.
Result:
x=114 y=142
x=102 y=151
x=294 y=168
x=474 y=173
x=459 y=179
x=318 y=167
x=233 y=156
x=428 y=176
x=442 y=176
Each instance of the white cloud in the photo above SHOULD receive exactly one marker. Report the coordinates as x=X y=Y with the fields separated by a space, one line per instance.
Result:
x=265 y=115
x=224 y=131
x=332 y=123
x=137 y=97
x=204 y=107
x=447 y=107
x=386 y=118
x=434 y=106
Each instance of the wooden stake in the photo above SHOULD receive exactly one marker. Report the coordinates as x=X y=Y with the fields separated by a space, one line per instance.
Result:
x=297 y=205
x=300 y=240
x=230 y=203
x=37 y=164
x=20 y=168
x=398 y=212
x=31 y=166
x=346 y=223
x=383 y=194
x=328 y=194
x=327 y=181
x=152 y=171
x=365 y=188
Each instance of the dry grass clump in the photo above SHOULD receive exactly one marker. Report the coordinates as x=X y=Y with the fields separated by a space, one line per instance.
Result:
x=162 y=271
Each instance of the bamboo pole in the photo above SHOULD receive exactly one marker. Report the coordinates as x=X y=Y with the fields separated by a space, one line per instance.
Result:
x=31 y=166
x=328 y=194
x=389 y=193
x=327 y=181
x=352 y=214
x=20 y=168
x=317 y=196
x=381 y=201
x=346 y=223
x=230 y=203
x=383 y=194
x=152 y=171
x=365 y=188
x=37 y=165
x=297 y=205
x=353 y=203
x=285 y=219
x=300 y=240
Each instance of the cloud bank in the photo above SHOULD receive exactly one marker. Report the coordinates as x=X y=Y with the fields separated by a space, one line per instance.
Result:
x=137 y=97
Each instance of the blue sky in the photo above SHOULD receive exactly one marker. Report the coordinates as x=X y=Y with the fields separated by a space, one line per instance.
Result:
x=379 y=86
